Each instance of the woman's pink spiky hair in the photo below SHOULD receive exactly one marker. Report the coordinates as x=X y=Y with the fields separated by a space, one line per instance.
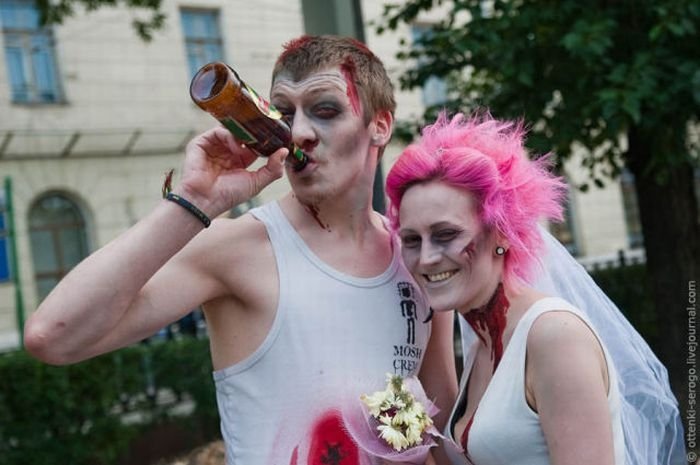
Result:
x=487 y=158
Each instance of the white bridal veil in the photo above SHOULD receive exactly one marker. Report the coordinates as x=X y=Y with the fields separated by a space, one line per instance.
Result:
x=650 y=417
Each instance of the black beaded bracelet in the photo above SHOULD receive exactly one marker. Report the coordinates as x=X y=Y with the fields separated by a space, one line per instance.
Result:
x=189 y=207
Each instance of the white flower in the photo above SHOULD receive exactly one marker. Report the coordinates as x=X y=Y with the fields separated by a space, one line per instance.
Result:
x=418 y=409
x=426 y=421
x=374 y=402
x=405 y=417
x=393 y=436
x=402 y=419
x=398 y=402
x=414 y=433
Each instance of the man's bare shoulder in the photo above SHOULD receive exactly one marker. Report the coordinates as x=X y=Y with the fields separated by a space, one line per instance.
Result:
x=245 y=228
x=231 y=237
x=231 y=251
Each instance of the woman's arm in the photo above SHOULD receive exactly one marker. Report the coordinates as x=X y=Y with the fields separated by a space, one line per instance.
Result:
x=567 y=384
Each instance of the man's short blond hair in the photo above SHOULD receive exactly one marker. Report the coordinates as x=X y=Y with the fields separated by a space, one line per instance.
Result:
x=309 y=54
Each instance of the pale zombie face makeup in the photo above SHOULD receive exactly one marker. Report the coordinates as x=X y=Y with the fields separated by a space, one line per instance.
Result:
x=328 y=126
x=446 y=247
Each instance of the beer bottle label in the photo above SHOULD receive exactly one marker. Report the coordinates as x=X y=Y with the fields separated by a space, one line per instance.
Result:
x=263 y=105
x=297 y=153
x=239 y=132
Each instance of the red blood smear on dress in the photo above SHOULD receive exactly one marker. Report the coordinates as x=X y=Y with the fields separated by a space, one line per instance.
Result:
x=331 y=444
x=348 y=69
x=491 y=318
x=465 y=434
x=295 y=456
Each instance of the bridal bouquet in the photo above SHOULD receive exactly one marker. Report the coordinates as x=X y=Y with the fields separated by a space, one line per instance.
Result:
x=394 y=424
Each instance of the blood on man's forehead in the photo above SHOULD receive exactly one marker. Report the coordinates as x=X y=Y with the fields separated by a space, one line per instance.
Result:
x=349 y=73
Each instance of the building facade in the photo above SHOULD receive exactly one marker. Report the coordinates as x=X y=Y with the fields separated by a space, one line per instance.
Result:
x=91 y=117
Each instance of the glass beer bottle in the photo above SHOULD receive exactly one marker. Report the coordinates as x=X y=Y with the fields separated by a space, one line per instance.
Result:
x=218 y=90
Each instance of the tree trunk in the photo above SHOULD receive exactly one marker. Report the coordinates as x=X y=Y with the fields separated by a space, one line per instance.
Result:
x=669 y=216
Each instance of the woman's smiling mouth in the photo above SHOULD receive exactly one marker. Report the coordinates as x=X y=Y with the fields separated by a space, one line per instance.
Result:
x=438 y=277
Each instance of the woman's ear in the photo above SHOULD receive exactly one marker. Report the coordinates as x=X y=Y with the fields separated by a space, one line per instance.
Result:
x=501 y=244
x=381 y=128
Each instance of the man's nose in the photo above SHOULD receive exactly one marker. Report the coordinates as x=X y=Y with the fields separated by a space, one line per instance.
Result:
x=303 y=134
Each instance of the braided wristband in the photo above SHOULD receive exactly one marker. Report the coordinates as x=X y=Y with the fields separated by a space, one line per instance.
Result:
x=189 y=207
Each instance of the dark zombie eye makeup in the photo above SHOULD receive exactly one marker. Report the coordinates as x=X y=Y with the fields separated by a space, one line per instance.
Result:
x=410 y=241
x=326 y=110
x=320 y=96
x=446 y=235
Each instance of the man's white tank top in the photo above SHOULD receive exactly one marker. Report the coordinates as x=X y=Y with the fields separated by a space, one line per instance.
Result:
x=333 y=338
x=505 y=429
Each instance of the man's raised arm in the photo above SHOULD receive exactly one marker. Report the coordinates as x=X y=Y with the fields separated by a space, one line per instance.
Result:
x=154 y=273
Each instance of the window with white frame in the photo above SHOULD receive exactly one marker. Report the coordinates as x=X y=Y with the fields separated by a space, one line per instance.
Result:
x=565 y=232
x=434 y=89
x=635 y=238
x=202 y=34
x=29 y=54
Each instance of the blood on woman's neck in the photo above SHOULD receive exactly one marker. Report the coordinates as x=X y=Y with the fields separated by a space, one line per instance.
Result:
x=490 y=320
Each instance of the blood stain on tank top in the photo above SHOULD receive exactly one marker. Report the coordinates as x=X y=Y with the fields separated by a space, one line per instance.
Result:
x=330 y=442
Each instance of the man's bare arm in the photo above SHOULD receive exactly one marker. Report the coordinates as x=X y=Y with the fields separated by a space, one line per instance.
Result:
x=90 y=309
x=153 y=273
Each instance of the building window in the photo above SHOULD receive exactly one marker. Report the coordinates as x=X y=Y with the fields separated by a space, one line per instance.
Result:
x=565 y=232
x=434 y=91
x=635 y=239
x=202 y=38
x=58 y=240
x=29 y=54
x=4 y=241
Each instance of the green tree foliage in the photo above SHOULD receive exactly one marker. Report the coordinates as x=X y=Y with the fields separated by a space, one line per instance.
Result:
x=620 y=79
x=85 y=413
x=579 y=71
x=56 y=11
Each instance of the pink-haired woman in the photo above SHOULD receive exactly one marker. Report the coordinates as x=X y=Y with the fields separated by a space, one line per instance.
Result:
x=553 y=374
